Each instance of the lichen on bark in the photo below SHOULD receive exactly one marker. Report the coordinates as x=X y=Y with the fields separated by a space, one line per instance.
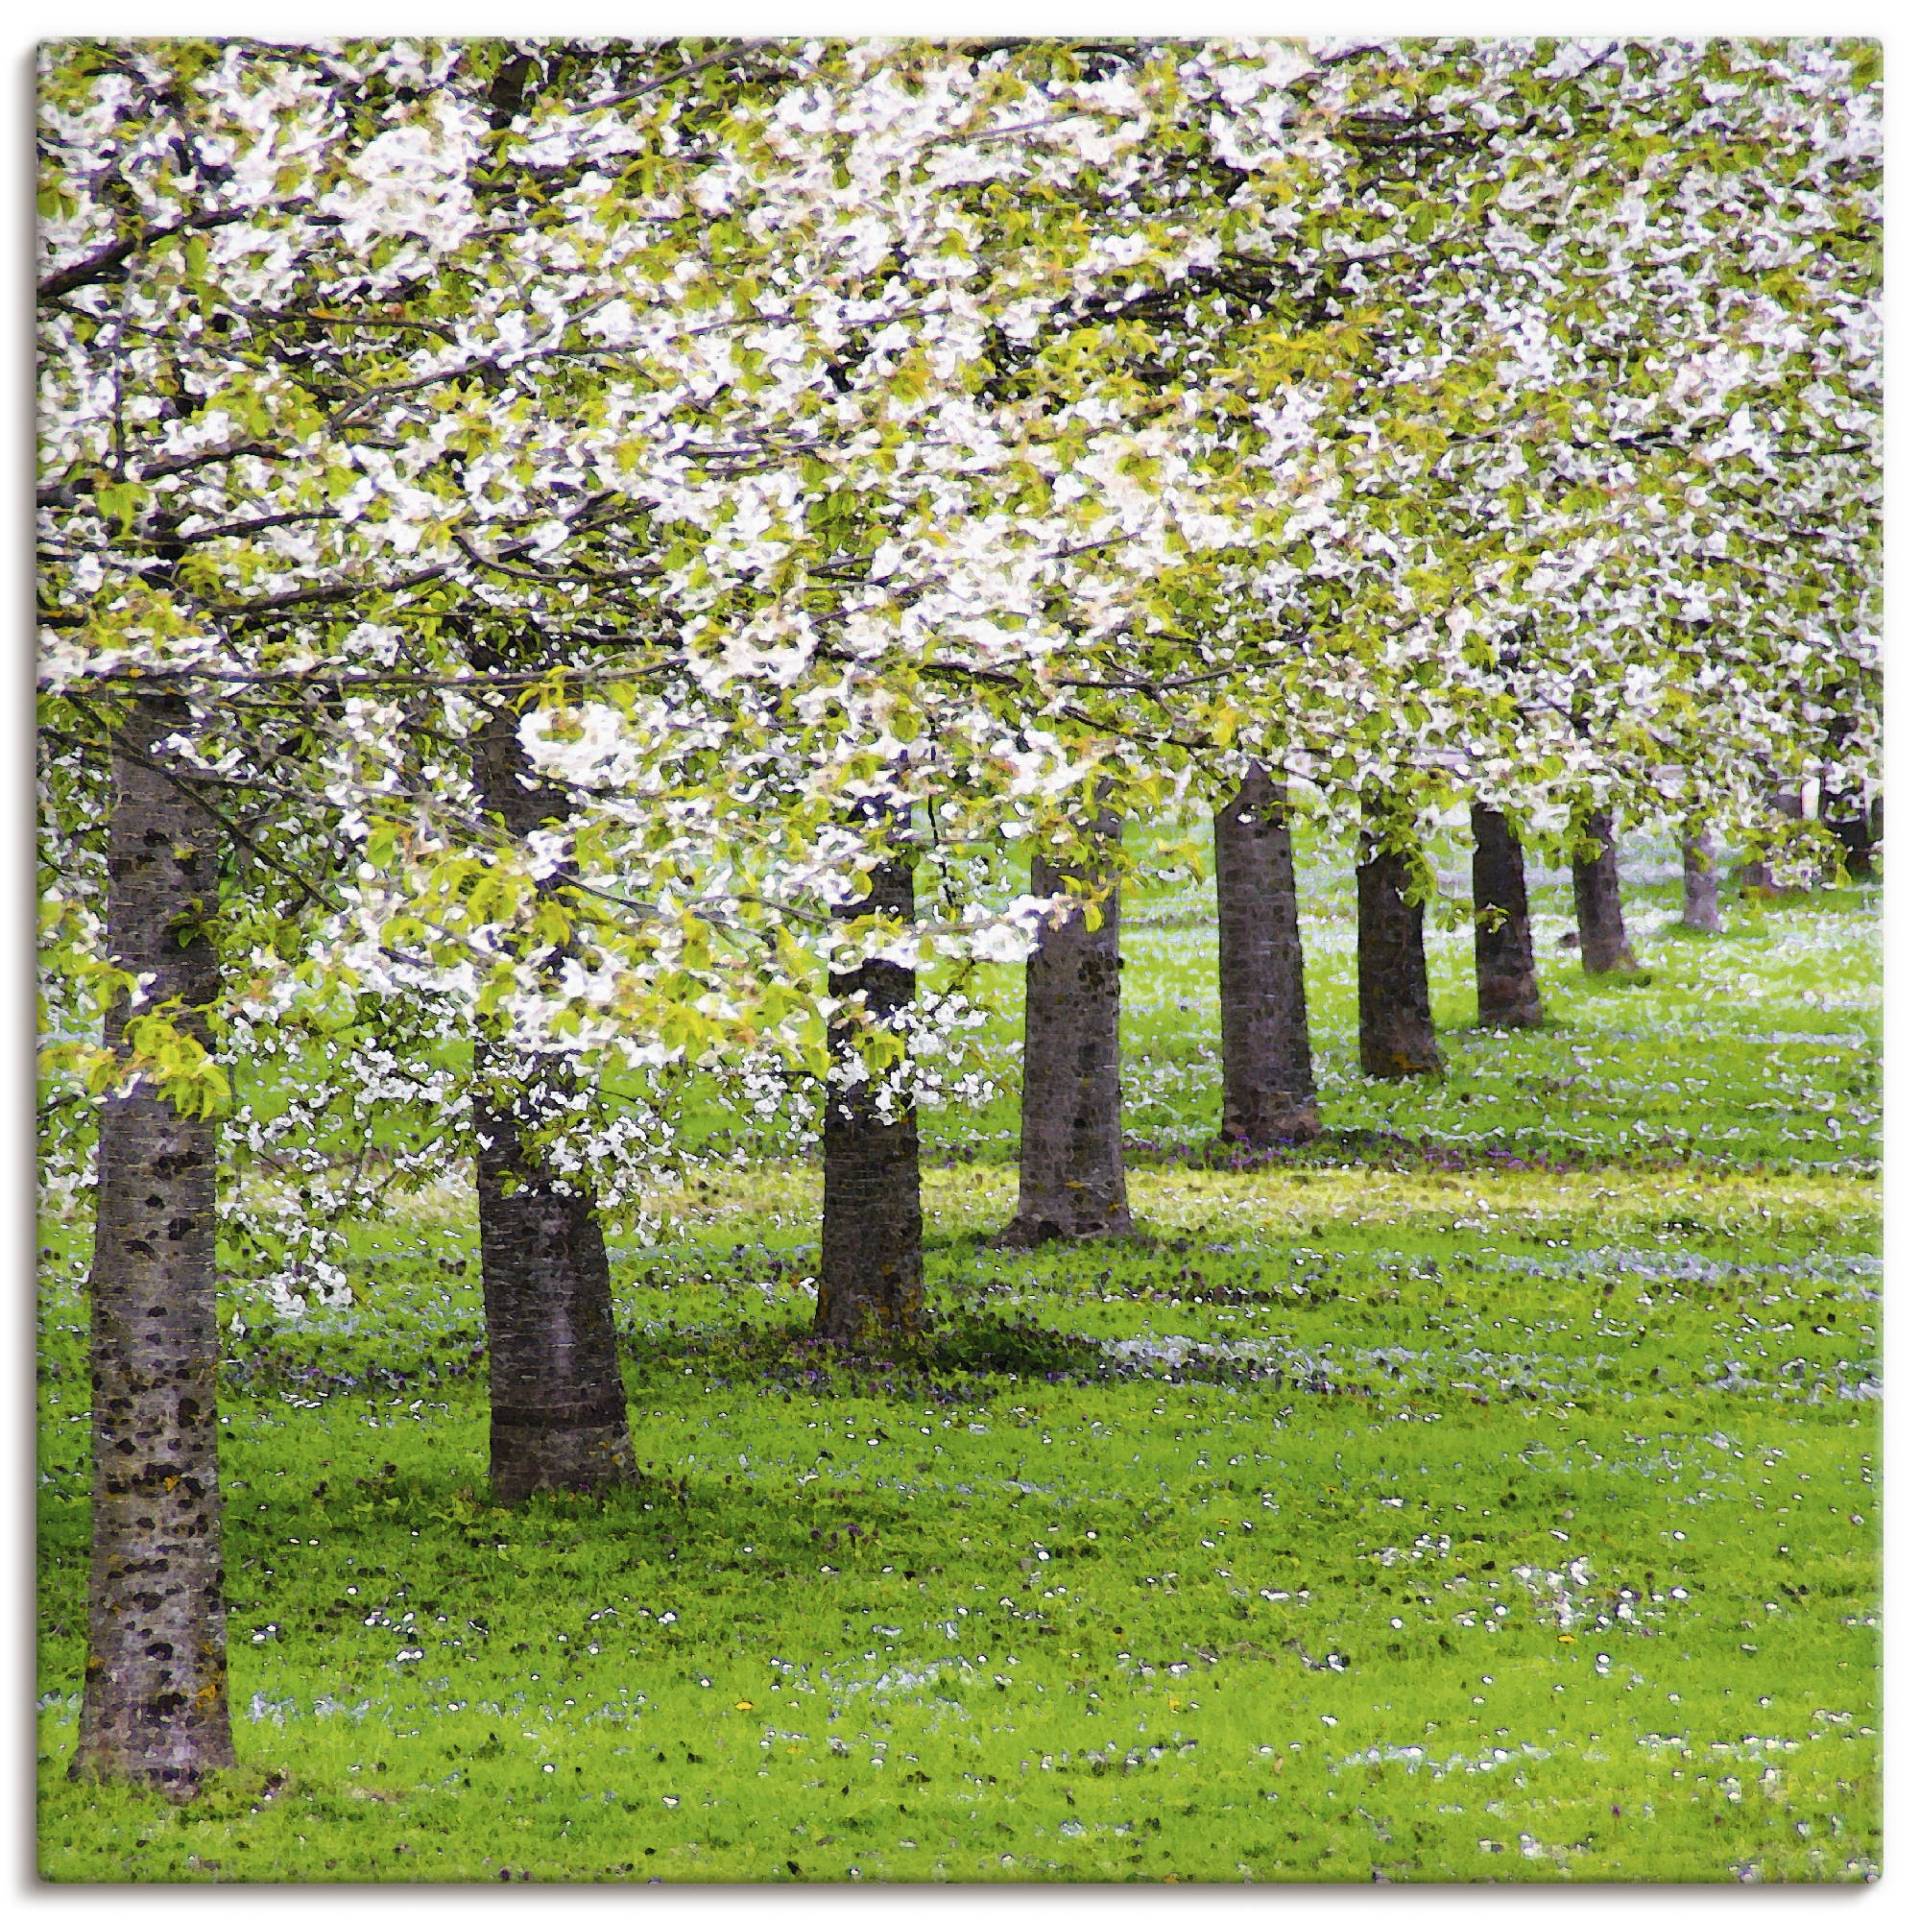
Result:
x=154 y=1700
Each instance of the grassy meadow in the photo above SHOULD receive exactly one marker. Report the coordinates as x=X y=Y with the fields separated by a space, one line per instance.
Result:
x=1490 y=1490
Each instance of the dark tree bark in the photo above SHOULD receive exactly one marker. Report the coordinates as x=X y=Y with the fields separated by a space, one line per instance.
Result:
x=1699 y=882
x=1853 y=819
x=558 y=1405
x=558 y=1410
x=1756 y=873
x=1397 y=1039
x=1073 y=1183
x=154 y=1707
x=1267 y=1056
x=1596 y=902
x=1856 y=823
x=1502 y=924
x=871 y=1284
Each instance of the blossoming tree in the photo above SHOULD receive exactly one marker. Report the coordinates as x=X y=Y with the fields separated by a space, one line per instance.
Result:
x=547 y=549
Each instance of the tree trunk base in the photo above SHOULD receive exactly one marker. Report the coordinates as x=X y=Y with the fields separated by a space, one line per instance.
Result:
x=871 y=1332
x=1511 y=1002
x=872 y=1315
x=1523 y=1014
x=559 y=1407
x=1025 y=1230
x=532 y=1456
x=1291 y=1130
x=1396 y=1065
x=176 y=1768
x=872 y=1282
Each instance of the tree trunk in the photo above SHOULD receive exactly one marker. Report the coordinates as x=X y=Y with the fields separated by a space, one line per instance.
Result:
x=1073 y=1184
x=1756 y=871
x=1699 y=882
x=1596 y=902
x=1397 y=1039
x=1267 y=1056
x=558 y=1410
x=1856 y=823
x=871 y=1284
x=1502 y=925
x=154 y=1708
x=558 y=1406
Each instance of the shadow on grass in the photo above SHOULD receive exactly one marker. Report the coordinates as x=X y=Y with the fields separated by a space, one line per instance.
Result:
x=956 y=1347
x=962 y=1353
x=1347 y=1147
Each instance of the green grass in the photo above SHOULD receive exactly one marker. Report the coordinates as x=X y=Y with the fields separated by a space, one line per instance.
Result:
x=1757 y=1047
x=1290 y=1540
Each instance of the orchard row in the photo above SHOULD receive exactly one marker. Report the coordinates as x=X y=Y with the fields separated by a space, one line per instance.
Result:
x=541 y=543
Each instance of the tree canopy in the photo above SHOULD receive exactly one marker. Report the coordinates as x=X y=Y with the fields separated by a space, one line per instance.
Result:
x=800 y=440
